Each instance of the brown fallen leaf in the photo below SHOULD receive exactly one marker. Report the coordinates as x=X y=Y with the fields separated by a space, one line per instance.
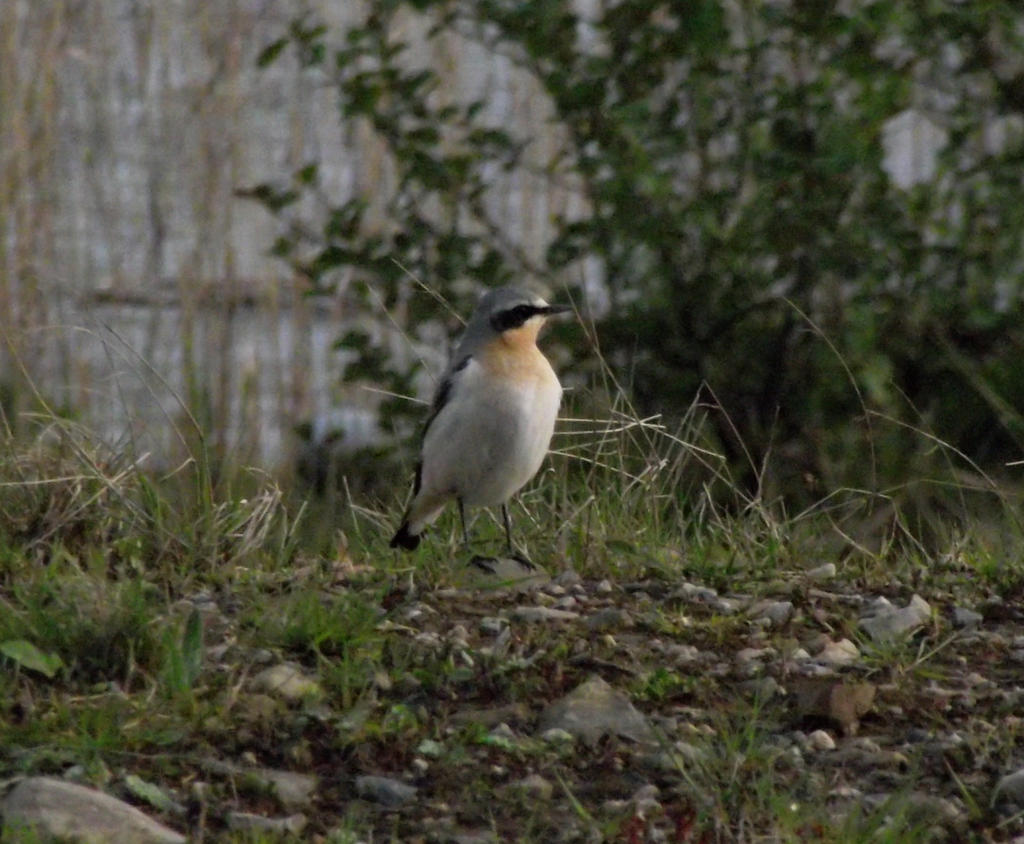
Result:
x=833 y=700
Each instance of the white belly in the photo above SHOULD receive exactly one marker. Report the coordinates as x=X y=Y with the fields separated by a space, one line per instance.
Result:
x=491 y=438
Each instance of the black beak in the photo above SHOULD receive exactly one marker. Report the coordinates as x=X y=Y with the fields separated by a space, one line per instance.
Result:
x=551 y=310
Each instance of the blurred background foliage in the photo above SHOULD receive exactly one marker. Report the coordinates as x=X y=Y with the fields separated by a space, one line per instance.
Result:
x=740 y=239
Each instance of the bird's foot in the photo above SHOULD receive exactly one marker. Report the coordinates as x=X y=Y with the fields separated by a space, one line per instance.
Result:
x=490 y=564
x=523 y=561
x=487 y=564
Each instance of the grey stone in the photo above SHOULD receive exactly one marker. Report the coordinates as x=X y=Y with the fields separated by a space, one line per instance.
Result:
x=843 y=652
x=60 y=809
x=286 y=681
x=430 y=748
x=879 y=605
x=933 y=806
x=725 y=606
x=594 y=709
x=429 y=639
x=886 y=623
x=762 y=688
x=682 y=654
x=675 y=758
x=752 y=654
x=820 y=573
x=775 y=612
x=534 y=786
x=1011 y=787
x=503 y=732
x=493 y=625
x=543 y=614
x=645 y=801
x=692 y=592
x=384 y=790
x=502 y=573
x=515 y=713
x=481 y=837
x=821 y=740
x=569 y=577
x=609 y=618
x=292 y=825
x=965 y=619
x=292 y=790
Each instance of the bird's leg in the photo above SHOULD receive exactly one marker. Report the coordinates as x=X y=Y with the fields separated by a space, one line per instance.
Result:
x=486 y=563
x=462 y=518
x=510 y=549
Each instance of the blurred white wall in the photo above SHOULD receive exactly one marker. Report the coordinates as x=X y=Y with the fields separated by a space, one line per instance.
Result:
x=126 y=261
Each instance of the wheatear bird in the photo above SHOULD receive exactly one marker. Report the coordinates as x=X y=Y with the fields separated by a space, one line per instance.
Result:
x=492 y=417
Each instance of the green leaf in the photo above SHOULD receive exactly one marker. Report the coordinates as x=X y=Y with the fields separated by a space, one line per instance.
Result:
x=272 y=198
x=307 y=175
x=150 y=793
x=268 y=55
x=29 y=656
x=356 y=340
x=283 y=247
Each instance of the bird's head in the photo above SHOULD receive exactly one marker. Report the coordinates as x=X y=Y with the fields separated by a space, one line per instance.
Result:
x=514 y=314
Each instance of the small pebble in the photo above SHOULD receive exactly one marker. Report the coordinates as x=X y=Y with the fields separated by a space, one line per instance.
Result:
x=493 y=625
x=459 y=635
x=843 y=652
x=776 y=613
x=1011 y=787
x=696 y=593
x=609 y=618
x=542 y=614
x=384 y=790
x=821 y=740
x=751 y=654
x=534 y=786
x=503 y=732
x=556 y=735
x=431 y=748
x=965 y=619
x=247 y=821
x=569 y=577
x=286 y=681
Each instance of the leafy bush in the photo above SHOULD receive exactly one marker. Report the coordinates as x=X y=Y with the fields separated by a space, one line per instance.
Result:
x=736 y=211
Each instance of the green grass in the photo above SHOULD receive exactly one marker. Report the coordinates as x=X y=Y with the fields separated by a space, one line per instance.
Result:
x=135 y=612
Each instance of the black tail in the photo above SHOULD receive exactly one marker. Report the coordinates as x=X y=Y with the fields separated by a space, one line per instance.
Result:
x=405 y=539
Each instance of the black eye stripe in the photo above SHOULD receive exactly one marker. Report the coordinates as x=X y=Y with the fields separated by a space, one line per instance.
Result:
x=513 y=317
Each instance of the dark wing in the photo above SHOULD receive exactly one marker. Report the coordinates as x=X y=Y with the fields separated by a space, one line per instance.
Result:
x=444 y=392
x=441 y=398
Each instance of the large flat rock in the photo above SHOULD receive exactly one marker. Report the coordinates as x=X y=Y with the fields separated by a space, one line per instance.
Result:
x=57 y=808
